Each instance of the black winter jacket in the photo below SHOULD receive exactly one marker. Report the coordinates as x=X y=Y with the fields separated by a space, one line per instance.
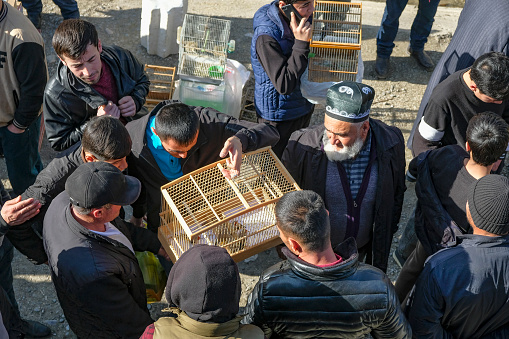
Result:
x=69 y=102
x=97 y=279
x=215 y=128
x=307 y=163
x=27 y=237
x=294 y=299
x=434 y=227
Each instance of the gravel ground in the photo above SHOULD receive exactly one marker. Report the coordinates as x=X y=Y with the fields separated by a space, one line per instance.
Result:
x=118 y=22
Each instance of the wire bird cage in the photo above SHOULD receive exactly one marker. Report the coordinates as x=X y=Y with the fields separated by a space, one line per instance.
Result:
x=203 y=207
x=336 y=41
x=203 y=48
x=162 y=84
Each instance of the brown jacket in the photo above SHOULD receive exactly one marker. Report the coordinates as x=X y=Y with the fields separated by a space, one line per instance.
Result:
x=183 y=327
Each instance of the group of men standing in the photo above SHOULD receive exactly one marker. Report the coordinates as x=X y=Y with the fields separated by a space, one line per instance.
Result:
x=351 y=167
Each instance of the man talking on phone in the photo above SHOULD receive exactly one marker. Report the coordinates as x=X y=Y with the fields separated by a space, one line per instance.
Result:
x=279 y=56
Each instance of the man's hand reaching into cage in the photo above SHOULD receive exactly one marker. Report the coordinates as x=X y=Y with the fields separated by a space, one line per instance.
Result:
x=233 y=147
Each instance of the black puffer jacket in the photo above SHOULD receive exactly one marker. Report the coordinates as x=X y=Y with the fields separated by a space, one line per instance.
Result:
x=69 y=102
x=27 y=237
x=98 y=280
x=307 y=163
x=215 y=128
x=294 y=299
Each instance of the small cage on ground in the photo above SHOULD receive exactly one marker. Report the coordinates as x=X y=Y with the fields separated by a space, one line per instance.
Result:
x=336 y=41
x=162 y=84
x=204 y=207
x=203 y=48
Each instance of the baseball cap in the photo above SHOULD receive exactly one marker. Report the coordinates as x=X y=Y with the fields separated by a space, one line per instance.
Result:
x=95 y=184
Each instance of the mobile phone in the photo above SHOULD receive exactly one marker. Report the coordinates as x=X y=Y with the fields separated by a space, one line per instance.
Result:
x=287 y=9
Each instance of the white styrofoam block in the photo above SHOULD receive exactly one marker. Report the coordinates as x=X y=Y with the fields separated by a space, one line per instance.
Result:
x=159 y=22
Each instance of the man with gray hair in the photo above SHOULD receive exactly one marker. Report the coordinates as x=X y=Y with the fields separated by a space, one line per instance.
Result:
x=357 y=165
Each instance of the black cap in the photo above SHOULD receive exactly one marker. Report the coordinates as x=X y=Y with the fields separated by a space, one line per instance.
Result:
x=349 y=101
x=95 y=184
x=205 y=283
x=488 y=203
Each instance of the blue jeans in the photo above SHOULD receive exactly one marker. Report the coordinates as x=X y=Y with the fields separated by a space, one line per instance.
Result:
x=390 y=23
x=22 y=158
x=68 y=8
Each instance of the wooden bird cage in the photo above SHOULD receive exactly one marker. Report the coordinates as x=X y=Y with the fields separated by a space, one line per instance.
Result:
x=162 y=84
x=336 y=41
x=203 y=207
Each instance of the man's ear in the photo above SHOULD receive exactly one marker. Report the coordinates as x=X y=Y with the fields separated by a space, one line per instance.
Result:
x=89 y=157
x=97 y=213
x=99 y=46
x=295 y=247
x=467 y=146
x=365 y=129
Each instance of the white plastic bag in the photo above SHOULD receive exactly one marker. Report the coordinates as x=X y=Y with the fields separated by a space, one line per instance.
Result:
x=235 y=77
x=316 y=92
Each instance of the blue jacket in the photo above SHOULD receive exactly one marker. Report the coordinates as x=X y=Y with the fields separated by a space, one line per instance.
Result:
x=269 y=103
x=463 y=291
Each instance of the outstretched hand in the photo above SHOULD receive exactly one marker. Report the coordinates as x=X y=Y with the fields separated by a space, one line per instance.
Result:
x=15 y=211
x=233 y=147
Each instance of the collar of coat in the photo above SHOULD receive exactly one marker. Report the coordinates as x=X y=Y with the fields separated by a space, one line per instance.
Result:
x=346 y=250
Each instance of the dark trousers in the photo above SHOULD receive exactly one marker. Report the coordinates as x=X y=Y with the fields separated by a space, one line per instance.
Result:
x=286 y=128
x=68 y=8
x=410 y=272
x=22 y=158
x=11 y=320
x=6 y=279
x=406 y=244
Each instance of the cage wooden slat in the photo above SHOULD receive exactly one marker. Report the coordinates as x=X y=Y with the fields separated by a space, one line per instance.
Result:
x=206 y=208
x=336 y=41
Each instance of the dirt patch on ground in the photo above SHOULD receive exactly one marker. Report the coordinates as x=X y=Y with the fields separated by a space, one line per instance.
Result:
x=118 y=22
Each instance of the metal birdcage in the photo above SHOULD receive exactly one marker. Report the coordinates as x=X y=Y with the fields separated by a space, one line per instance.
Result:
x=336 y=41
x=203 y=48
x=204 y=207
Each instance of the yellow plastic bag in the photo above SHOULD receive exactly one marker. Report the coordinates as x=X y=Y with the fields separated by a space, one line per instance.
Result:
x=153 y=275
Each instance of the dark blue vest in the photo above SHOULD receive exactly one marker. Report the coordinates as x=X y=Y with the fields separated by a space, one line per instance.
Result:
x=269 y=103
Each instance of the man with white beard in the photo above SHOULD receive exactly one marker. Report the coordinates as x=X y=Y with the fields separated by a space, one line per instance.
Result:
x=357 y=165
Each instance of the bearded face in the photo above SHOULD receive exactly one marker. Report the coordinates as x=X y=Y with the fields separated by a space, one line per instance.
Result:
x=335 y=153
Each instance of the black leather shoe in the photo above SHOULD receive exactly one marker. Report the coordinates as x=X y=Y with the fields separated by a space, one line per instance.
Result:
x=422 y=58
x=382 y=67
x=34 y=329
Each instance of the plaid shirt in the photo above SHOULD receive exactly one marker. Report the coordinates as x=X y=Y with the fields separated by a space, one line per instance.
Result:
x=355 y=168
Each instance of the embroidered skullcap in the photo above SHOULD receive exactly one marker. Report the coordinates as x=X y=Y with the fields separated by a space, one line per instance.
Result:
x=349 y=101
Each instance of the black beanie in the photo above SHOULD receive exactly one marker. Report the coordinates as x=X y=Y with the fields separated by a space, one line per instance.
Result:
x=488 y=203
x=205 y=283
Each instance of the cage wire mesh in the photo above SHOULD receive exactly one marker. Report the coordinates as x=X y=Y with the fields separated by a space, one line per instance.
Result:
x=336 y=41
x=203 y=47
x=204 y=207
